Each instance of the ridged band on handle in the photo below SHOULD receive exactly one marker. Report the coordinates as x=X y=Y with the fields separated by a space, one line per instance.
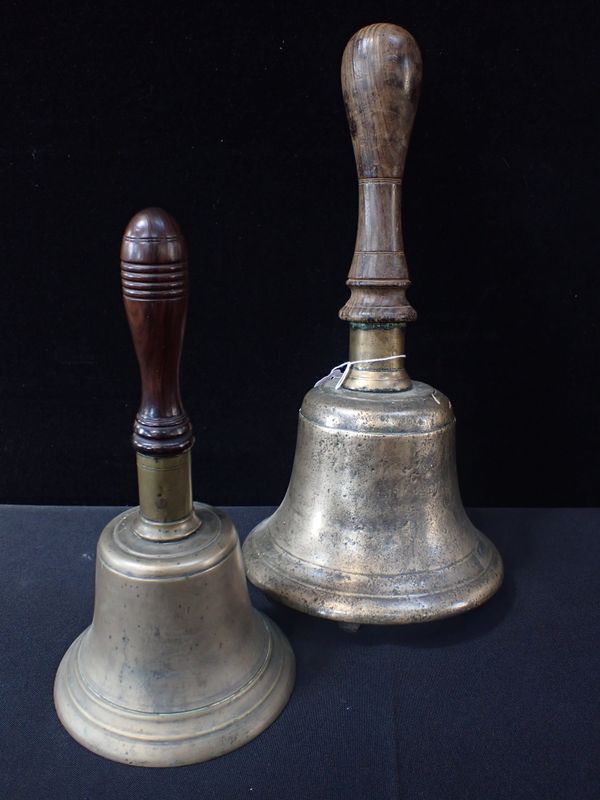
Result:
x=154 y=280
x=381 y=78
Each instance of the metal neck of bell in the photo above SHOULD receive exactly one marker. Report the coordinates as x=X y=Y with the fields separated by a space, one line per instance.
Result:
x=166 y=510
x=377 y=341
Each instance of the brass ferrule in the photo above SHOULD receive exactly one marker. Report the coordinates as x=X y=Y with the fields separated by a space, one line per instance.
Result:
x=165 y=489
x=377 y=341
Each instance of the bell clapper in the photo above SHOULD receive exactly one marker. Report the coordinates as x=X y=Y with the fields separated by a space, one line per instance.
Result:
x=349 y=627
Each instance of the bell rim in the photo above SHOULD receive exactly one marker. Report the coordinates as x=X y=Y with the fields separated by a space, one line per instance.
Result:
x=183 y=737
x=333 y=603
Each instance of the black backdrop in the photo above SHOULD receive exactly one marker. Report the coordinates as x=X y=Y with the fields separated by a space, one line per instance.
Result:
x=230 y=116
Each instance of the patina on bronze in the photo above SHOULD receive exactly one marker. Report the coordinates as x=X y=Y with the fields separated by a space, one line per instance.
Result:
x=372 y=528
x=177 y=667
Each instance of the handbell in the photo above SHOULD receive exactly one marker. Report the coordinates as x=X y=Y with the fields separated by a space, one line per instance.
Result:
x=176 y=667
x=372 y=528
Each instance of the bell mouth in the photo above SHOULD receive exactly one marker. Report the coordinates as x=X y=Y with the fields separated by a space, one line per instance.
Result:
x=368 y=599
x=174 y=739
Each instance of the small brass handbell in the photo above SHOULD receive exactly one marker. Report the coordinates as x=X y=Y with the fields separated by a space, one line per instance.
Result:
x=372 y=528
x=176 y=667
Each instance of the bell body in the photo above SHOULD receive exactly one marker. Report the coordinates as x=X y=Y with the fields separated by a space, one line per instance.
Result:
x=372 y=528
x=177 y=667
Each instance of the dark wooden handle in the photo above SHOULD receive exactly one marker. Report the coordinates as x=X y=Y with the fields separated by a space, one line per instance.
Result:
x=381 y=78
x=154 y=279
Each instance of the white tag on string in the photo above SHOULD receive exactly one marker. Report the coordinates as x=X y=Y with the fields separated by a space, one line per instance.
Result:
x=336 y=372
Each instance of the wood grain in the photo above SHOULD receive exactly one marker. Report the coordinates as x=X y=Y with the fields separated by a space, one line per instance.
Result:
x=154 y=280
x=381 y=79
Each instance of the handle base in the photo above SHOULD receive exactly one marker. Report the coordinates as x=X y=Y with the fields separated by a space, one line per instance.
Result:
x=377 y=341
x=166 y=510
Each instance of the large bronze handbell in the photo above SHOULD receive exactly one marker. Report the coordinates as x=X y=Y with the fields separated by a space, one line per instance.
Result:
x=176 y=667
x=372 y=528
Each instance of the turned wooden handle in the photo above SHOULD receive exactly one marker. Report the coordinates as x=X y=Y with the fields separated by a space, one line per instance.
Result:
x=381 y=78
x=154 y=279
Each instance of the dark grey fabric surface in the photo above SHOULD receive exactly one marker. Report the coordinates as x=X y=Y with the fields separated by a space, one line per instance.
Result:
x=502 y=702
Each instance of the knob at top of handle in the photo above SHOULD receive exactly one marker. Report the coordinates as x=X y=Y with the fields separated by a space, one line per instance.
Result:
x=154 y=280
x=381 y=78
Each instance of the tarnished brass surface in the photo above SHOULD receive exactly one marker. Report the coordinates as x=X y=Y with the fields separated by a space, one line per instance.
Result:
x=372 y=528
x=177 y=667
x=377 y=341
x=165 y=486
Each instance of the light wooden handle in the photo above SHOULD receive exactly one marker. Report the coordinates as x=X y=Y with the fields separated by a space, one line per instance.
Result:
x=381 y=78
